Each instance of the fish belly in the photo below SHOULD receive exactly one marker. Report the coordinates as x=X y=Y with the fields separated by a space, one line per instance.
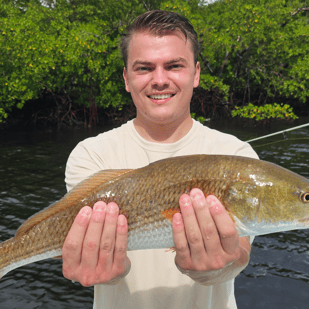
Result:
x=152 y=237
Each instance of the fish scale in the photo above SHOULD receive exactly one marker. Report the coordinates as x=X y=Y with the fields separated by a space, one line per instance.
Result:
x=261 y=198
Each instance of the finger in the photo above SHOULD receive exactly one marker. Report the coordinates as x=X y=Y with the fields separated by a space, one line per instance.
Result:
x=180 y=239
x=120 y=252
x=72 y=247
x=225 y=225
x=192 y=229
x=206 y=223
x=108 y=236
x=91 y=244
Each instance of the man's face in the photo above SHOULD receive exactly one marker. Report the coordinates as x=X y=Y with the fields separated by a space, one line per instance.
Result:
x=160 y=76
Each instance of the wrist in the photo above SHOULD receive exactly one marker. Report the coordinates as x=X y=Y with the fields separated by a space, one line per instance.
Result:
x=117 y=279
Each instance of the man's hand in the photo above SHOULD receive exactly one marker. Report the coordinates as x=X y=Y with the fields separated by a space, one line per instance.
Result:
x=95 y=249
x=205 y=236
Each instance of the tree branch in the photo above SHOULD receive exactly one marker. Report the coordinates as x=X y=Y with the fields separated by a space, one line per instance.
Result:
x=206 y=62
x=224 y=63
x=146 y=7
x=294 y=13
x=300 y=10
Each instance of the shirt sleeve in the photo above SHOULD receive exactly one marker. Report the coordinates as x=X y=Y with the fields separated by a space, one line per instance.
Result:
x=246 y=151
x=81 y=164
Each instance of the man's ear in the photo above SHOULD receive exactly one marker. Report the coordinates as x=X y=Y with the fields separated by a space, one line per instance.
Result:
x=125 y=77
x=197 y=75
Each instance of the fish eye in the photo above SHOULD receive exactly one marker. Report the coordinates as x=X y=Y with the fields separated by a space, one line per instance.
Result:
x=305 y=197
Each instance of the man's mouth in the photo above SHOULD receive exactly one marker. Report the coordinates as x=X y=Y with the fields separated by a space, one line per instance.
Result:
x=161 y=96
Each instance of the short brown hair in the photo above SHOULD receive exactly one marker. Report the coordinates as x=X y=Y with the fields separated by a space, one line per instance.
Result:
x=160 y=23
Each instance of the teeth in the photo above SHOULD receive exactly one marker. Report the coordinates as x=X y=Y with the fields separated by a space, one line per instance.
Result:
x=161 y=96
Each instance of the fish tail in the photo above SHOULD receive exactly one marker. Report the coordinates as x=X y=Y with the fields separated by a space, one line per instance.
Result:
x=12 y=255
x=6 y=248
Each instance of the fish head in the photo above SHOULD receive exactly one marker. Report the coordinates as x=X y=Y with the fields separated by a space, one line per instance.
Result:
x=267 y=198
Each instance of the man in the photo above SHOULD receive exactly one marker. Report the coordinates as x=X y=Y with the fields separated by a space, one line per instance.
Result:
x=161 y=69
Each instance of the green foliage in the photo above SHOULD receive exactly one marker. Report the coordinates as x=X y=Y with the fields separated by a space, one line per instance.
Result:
x=200 y=119
x=251 y=50
x=268 y=111
x=256 y=49
x=70 y=51
x=3 y=114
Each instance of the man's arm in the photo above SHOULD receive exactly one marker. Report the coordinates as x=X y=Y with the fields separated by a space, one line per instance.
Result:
x=208 y=248
x=95 y=249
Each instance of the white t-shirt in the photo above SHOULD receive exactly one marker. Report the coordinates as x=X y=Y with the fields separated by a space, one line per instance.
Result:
x=153 y=282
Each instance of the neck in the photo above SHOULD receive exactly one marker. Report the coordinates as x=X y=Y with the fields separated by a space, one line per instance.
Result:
x=163 y=133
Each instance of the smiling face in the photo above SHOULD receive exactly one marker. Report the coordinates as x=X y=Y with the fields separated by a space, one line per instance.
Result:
x=160 y=76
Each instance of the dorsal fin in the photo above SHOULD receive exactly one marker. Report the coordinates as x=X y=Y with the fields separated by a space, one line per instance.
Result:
x=80 y=191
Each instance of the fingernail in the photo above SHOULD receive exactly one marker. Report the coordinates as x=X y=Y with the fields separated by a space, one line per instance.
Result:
x=196 y=193
x=184 y=200
x=99 y=206
x=199 y=199
x=215 y=206
x=111 y=208
x=85 y=211
x=121 y=220
x=177 y=218
x=211 y=200
x=84 y=215
x=99 y=211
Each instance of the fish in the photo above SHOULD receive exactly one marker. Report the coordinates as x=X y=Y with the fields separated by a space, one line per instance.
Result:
x=261 y=198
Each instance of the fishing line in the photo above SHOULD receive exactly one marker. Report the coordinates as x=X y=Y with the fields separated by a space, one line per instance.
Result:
x=282 y=140
x=279 y=132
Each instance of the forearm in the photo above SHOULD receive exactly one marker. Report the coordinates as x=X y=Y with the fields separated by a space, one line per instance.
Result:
x=229 y=272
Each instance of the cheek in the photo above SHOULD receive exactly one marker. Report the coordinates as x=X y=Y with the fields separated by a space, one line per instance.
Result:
x=139 y=84
x=183 y=83
x=183 y=79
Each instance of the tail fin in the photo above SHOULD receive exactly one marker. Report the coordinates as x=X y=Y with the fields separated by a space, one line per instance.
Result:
x=6 y=256
x=11 y=256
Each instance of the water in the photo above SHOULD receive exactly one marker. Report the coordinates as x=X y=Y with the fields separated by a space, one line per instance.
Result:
x=32 y=176
x=278 y=273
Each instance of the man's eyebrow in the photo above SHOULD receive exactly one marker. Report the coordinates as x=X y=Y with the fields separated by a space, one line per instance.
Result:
x=139 y=62
x=180 y=59
x=148 y=63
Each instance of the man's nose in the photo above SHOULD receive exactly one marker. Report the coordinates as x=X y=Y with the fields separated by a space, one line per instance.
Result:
x=160 y=79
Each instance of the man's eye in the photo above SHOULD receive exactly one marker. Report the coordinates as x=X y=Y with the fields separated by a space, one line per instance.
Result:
x=174 y=66
x=143 y=69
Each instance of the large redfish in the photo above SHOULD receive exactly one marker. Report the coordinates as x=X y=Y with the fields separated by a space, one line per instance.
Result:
x=260 y=196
